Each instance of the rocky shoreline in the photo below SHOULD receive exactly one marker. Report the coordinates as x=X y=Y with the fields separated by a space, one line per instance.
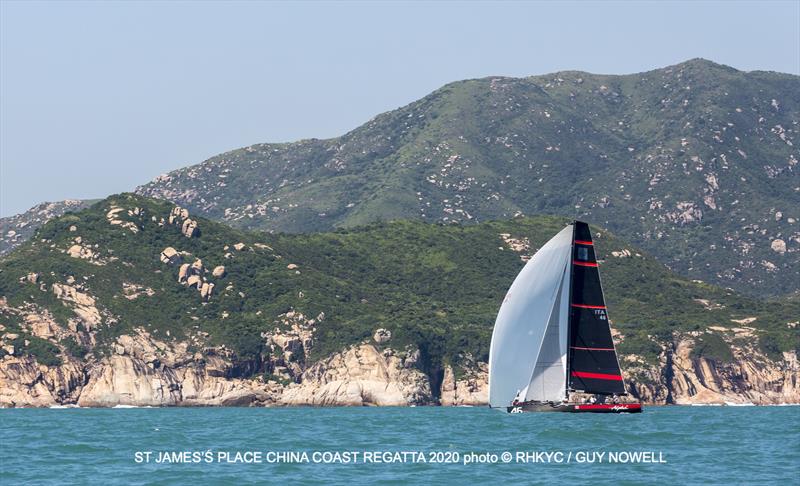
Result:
x=146 y=372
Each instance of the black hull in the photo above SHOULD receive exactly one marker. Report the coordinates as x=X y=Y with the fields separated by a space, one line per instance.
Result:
x=576 y=407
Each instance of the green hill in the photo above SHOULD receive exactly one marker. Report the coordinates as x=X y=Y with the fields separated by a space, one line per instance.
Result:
x=695 y=163
x=106 y=270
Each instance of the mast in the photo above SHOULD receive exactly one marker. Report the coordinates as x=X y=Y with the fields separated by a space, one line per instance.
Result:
x=567 y=387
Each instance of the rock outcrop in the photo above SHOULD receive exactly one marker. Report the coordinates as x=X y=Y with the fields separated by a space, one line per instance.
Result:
x=189 y=228
x=25 y=383
x=362 y=375
x=290 y=343
x=194 y=276
x=82 y=303
x=180 y=217
x=170 y=255
x=142 y=371
x=382 y=336
x=78 y=251
x=778 y=246
x=681 y=378
x=114 y=216
x=84 y=251
x=470 y=389
x=750 y=378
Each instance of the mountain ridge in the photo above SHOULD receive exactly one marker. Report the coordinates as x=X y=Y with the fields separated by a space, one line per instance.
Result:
x=18 y=228
x=669 y=158
x=705 y=178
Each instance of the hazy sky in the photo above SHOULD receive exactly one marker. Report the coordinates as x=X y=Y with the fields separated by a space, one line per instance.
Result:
x=97 y=98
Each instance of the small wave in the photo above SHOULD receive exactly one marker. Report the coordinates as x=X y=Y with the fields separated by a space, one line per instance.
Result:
x=734 y=404
x=68 y=405
x=125 y=406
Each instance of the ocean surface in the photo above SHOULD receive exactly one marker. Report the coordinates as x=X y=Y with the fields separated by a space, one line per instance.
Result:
x=431 y=445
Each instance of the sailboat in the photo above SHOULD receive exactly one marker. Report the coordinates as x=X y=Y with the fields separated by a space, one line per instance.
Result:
x=552 y=340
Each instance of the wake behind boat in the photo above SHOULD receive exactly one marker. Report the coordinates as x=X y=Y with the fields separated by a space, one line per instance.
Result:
x=552 y=341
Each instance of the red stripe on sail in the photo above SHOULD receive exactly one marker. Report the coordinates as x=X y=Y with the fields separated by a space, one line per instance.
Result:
x=583 y=242
x=596 y=376
x=592 y=349
x=585 y=306
x=584 y=264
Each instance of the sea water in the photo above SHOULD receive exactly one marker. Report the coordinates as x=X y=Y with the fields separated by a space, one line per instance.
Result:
x=422 y=445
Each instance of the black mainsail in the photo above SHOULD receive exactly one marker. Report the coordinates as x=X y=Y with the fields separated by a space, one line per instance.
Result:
x=593 y=366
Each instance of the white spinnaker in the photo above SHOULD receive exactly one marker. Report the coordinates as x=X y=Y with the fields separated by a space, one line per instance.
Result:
x=522 y=321
x=549 y=380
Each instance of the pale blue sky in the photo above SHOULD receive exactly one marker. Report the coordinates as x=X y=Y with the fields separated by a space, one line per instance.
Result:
x=97 y=98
